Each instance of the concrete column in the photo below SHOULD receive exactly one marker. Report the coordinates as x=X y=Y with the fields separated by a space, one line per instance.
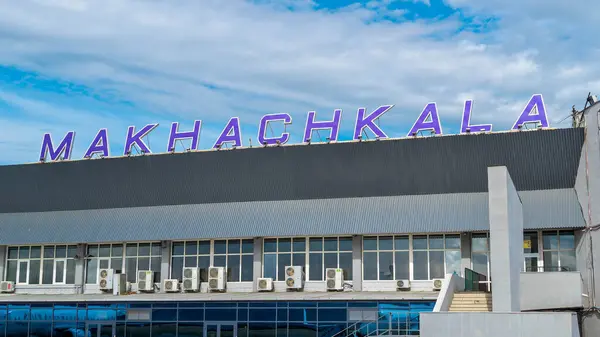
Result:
x=80 y=268
x=506 y=240
x=357 y=272
x=465 y=252
x=257 y=265
x=165 y=262
x=2 y=261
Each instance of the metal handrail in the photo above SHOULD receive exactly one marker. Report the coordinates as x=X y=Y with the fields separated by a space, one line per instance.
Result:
x=357 y=323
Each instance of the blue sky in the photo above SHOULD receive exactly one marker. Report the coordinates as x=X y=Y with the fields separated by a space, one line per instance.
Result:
x=84 y=65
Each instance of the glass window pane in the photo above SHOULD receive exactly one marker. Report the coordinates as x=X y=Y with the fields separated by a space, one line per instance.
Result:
x=550 y=240
x=436 y=264
x=480 y=263
x=48 y=269
x=453 y=261
x=59 y=271
x=191 y=248
x=91 y=272
x=233 y=268
x=370 y=243
x=401 y=243
x=155 y=264
x=71 y=251
x=177 y=268
x=330 y=260
x=248 y=246
x=144 y=263
x=92 y=251
x=24 y=252
x=103 y=252
x=283 y=261
x=131 y=249
x=36 y=252
x=190 y=261
x=530 y=242
x=346 y=265
x=299 y=259
x=453 y=241
x=116 y=264
x=386 y=243
x=178 y=248
x=156 y=249
x=299 y=244
x=386 y=265
x=34 y=271
x=144 y=249
x=11 y=271
x=247 y=267
x=315 y=264
x=402 y=265
x=567 y=260
x=315 y=244
x=233 y=247
x=131 y=269
x=284 y=245
x=204 y=247
x=551 y=261
x=331 y=244
x=420 y=265
x=420 y=242
x=567 y=240
x=117 y=250
x=220 y=246
x=436 y=242
x=13 y=253
x=220 y=261
x=23 y=267
x=61 y=252
x=70 y=271
x=270 y=266
x=479 y=243
x=204 y=264
x=370 y=265
x=270 y=245
x=345 y=244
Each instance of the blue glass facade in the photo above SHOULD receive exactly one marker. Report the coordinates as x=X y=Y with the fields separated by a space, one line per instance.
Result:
x=209 y=319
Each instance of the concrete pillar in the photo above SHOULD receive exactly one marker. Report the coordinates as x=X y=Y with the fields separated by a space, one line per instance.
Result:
x=165 y=262
x=257 y=265
x=506 y=240
x=80 y=268
x=465 y=252
x=2 y=261
x=357 y=274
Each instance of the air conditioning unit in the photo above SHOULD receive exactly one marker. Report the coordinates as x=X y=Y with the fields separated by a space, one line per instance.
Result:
x=403 y=284
x=106 y=279
x=265 y=284
x=145 y=280
x=437 y=283
x=7 y=287
x=191 y=279
x=334 y=279
x=294 y=277
x=171 y=286
x=216 y=278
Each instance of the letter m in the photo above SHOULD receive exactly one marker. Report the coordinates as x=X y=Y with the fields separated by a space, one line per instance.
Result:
x=63 y=149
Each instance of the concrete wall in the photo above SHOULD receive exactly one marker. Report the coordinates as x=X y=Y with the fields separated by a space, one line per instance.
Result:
x=551 y=290
x=452 y=283
x=490 y=324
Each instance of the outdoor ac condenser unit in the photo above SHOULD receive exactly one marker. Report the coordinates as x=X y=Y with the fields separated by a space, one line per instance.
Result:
x=171 y=286
x=191 y=279
x=216 y=278
x=7 y=287
x=438 y=283
x=145 y=281
x=334 y=279
x=403 y=284
x=294 y=277
x=265 y=284
x=106 y=279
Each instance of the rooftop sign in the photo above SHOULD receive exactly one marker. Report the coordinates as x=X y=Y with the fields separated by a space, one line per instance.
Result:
x=428 y=120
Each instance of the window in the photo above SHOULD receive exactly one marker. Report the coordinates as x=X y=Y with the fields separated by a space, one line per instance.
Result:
x=434 y=256
x=103 y=256
x=480 y=253
x=279 y=253
x=235 y=255
x=531 y=252
x=41 y=264
x=386 y=257
x=559 y=250
x=329 y=252
x=142 y=256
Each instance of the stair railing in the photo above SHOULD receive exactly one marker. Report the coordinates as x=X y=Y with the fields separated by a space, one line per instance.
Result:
x=344 y=333
x=475 y=281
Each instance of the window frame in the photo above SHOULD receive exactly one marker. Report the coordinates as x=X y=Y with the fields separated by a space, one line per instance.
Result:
x=99 y=258
x=542 y=250
x=393 y=251
x=41 y=260
x=444 y=249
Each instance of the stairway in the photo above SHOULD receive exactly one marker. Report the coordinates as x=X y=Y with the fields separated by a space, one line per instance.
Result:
x=476 y=301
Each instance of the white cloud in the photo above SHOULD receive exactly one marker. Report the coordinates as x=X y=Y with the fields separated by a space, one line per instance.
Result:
x=167 y=56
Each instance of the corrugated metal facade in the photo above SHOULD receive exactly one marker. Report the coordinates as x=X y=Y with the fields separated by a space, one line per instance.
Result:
x=536 y=160
x=370 y=215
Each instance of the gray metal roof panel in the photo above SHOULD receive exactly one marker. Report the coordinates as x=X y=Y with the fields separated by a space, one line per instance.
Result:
x=536 y=160
x=436 y=213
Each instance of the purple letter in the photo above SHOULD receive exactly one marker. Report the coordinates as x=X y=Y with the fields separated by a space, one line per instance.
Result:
x=369 y=121
x=175 y=135
x=98 y=145
x=262 y=128
x=231 y=133
x=333 y=125
x=421 y=124
x=526 y=116
x=466 y=120
x=136 y=139
x=64 y=148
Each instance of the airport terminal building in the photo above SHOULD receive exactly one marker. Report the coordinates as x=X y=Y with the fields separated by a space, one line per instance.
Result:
x=305 y=240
